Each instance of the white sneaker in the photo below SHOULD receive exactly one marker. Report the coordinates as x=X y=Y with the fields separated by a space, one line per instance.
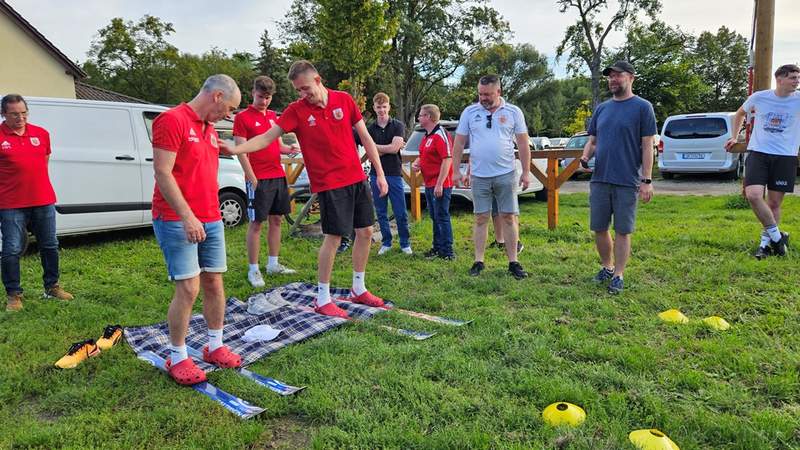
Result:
x=255 y=278
x=407 y=250
x=384 y=249
x=280 y=269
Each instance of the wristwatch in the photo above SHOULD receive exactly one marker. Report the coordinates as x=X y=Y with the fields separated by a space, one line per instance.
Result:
x=646 y=180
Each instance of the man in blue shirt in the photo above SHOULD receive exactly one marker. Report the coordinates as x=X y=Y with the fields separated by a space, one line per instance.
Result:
x=621 y=135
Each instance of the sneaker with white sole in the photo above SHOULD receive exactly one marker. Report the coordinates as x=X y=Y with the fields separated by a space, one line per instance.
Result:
x=407 y=250
x=279 y=269
x=255 y=278
x=383 y=250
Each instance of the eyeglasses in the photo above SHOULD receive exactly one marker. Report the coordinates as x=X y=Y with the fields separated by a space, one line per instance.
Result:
x=16 y=115
x=489 y=121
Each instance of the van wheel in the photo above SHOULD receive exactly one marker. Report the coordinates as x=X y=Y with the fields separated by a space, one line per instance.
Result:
x=232 y=207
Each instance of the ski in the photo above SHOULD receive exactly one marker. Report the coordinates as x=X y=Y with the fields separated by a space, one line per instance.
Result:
x=267 y=382
x=416 y=335
x=228 y=401
x=419 y=315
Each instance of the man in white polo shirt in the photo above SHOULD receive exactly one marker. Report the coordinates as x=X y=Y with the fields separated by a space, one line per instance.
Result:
x=492 y=126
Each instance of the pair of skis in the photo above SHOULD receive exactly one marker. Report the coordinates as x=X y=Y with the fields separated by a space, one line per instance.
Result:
x=232 y=403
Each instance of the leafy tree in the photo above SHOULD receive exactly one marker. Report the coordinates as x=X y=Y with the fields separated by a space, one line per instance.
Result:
x=721 y=61
x=273 y=63
x=579 y=120
x=585 y=39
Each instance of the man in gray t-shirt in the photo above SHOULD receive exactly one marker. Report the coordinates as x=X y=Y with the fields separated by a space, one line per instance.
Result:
x=621 y=138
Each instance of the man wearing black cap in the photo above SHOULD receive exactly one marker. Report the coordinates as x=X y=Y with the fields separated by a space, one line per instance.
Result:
x=621 y=135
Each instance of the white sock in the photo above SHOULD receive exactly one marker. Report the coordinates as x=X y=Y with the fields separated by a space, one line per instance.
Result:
x=774 y=232
x=177 y=353
x=214 y=339
x=358 y=283
x=253 y=267
x=273 y=261
x=765 y=239
x=323 y=294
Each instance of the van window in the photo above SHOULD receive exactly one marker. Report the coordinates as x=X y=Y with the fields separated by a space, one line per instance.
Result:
x=149 y=117
x=224 y=127
x=71 y=126
x=696 y=128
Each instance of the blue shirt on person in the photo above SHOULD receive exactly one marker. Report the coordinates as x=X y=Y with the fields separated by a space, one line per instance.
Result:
x=618 y=128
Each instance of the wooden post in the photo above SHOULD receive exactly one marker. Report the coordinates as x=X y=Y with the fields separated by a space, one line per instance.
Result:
x=765 y=34
x=552 y=193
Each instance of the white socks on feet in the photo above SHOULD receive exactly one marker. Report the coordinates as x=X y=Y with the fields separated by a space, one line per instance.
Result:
x=358 y=283
x=253 y=267
x=774 y=232
x=214 y=339
x=765 y=239
x=323 y=294
x=177 y=354
x=272 y=261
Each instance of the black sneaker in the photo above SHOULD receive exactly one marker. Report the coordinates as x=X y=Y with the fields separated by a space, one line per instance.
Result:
x=448 y=256
x=430 y=254
x=779 y=248
x=516 y=270
x=763 y=252
x=616 y=286
x=476 y=269
x=343 y=246
x=603 y=275
x=494 y=244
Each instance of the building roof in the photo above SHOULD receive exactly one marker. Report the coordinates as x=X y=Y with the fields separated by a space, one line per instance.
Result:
x=85 y=91
x=68 y=64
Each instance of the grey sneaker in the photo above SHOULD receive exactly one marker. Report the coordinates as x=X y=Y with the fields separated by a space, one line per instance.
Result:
x=616 y=286
x=603 y=275
x=280 y=269
x=255 y=278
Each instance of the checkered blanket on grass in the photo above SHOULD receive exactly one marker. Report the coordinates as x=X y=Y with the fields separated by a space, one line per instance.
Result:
x=296 y=323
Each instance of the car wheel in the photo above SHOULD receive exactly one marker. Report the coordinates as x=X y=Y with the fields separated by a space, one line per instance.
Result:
x=232 y=207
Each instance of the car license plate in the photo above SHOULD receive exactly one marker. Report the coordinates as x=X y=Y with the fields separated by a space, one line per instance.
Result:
x=693 y=156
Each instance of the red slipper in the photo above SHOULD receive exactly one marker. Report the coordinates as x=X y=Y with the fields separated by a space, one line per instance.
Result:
x=367 y=298
x=330 y=309
x=222 y=357
x=185 y=372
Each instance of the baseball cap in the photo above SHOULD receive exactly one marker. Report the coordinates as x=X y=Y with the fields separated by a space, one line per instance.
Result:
x=619 y=66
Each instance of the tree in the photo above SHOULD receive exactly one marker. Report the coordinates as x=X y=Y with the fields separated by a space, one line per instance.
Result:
x=721 y=61
x=585 y=39
x=273 y=63
x=579 y=120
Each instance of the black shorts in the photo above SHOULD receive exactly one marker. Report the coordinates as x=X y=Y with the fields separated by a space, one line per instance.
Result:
x=776 y=172
x=345 y=208
x=271 y=199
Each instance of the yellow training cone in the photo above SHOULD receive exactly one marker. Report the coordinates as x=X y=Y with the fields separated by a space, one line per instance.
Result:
x=717 y=323
x=674 y=316
x=651 y=439
x=563 y=413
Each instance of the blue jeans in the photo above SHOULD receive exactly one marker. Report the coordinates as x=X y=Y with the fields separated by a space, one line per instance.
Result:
x=439 y=209
x=398 y=198
x=13 y=226
x=186 y=259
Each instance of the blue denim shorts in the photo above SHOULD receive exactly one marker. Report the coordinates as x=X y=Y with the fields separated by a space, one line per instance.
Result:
x=186 y=259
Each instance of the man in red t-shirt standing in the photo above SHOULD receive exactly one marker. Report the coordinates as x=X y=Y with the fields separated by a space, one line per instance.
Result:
x=26 y=195
x=323 y=120
x=187 y=221
x=436 y=164
x=266 y=180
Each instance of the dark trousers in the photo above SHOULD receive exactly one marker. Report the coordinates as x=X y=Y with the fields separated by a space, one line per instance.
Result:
x=13 y=228
x=439 y=209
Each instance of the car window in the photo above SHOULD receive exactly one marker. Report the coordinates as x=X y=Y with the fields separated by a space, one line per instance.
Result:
x=577 y=142
x=696 y=128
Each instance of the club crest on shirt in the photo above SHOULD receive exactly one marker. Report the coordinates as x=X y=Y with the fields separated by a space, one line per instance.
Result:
x=312 y=122
x=338 y=113
x=428 y=142
x=35 y=141
x=5 y=145
x=214 y=141
x=503 y=119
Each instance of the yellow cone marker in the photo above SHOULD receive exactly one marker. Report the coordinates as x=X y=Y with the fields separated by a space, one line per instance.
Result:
x=652 y=439
x=717 y=323
x=563 y=413
x=673 y=316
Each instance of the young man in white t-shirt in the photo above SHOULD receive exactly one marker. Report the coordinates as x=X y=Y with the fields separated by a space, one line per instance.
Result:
x=772 y=161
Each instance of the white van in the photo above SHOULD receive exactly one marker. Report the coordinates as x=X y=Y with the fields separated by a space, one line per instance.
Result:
x=695 y=143
x=101 y=164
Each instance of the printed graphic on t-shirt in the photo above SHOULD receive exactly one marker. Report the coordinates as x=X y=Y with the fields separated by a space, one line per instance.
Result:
x=35 y=141
x=338 y=114
x=312 y=122
x=5 y=145
x=776 y=122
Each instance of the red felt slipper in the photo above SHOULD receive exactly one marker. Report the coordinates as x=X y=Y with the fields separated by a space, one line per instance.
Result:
x=222 y=357
x=185 y=372
x=367 y=298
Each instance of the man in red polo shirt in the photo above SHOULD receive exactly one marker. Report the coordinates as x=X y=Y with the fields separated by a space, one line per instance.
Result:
x=266 y=180
x=26 y=196
x=323 y=120
x=187 y=221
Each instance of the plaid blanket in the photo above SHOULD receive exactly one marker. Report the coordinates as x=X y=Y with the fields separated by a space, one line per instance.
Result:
x=296 y=322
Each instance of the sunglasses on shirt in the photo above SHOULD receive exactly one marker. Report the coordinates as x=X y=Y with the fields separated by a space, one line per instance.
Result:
x=489 y=121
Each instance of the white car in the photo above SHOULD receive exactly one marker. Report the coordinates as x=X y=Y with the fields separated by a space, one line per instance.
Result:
x=695 y=143
x=101 y=165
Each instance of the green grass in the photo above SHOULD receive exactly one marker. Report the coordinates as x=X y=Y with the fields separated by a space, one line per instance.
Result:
x=553 y=337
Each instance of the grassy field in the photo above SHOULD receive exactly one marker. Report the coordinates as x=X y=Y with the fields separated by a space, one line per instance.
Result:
x=553 y=337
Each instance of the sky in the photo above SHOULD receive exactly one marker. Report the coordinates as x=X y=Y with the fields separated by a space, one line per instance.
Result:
x=236 y=25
